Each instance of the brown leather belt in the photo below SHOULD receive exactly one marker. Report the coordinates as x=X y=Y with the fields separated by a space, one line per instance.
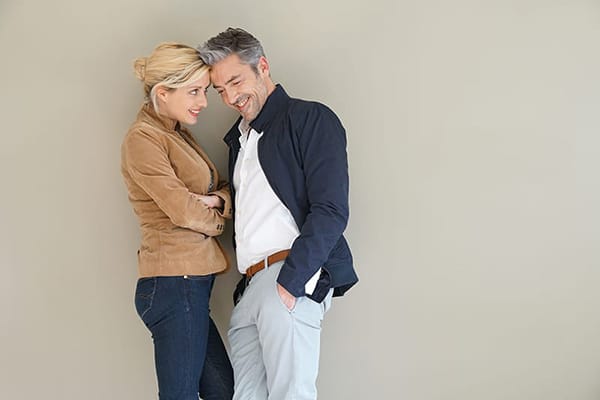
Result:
x=272 y=259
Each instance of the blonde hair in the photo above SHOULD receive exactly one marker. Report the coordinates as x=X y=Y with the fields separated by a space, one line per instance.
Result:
x=170 y=65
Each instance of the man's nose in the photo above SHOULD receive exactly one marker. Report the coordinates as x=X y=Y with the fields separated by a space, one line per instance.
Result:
x=230 y=95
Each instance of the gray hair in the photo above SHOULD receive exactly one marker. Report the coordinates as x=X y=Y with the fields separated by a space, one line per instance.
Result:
x=232 y=41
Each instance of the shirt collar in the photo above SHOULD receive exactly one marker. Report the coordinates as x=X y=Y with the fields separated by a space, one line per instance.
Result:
x=246 y=136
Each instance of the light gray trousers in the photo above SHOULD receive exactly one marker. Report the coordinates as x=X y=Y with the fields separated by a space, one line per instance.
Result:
x=275 y=351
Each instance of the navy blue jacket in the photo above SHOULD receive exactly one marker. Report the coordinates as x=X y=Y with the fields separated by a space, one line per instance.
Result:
x=303 y=155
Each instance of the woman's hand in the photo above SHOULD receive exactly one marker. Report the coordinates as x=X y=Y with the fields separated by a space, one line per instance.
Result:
x=211 y=201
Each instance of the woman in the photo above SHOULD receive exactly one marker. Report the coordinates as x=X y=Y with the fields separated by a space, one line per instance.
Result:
x=175 y=191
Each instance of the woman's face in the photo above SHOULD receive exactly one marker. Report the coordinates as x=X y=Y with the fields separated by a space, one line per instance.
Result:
x=185 y=103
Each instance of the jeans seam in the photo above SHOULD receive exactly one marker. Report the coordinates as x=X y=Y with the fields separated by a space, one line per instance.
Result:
x=188 y=325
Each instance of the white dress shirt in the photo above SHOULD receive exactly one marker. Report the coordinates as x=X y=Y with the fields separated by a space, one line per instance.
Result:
x=263 y=225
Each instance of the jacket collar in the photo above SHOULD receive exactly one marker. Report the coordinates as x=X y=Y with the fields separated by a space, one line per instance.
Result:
x=274 y=104
x=147 y=112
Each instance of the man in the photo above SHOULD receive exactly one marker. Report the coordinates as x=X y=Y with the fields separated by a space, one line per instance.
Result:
x=289 y=177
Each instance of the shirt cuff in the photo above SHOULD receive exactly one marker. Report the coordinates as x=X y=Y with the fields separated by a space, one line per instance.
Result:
x=309 y=288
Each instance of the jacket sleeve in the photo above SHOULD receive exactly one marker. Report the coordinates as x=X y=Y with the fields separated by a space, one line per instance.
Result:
x=224 y=193
x=147 y=162
x=322 y=142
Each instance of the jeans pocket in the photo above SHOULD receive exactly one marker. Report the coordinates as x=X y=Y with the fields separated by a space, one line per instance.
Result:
x=200 y=279
x=207 y=278
x=144 y=296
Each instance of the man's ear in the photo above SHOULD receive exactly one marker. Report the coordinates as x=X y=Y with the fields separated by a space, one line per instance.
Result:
x=263 y=66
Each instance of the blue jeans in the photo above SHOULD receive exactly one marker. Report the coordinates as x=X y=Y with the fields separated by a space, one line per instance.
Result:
x=189 y=354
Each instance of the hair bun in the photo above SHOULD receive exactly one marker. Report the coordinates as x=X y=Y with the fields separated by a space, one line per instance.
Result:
x=139 y=66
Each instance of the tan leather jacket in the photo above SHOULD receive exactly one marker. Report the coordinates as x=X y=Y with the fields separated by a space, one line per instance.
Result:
x=164 y=168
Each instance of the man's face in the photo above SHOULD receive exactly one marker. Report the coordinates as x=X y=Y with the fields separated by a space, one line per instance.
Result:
x=240 y=87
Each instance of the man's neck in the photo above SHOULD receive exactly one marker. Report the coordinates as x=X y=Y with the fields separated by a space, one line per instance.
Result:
x=245 y=126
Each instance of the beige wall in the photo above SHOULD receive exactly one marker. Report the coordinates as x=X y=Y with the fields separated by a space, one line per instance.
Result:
x=474 y=155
